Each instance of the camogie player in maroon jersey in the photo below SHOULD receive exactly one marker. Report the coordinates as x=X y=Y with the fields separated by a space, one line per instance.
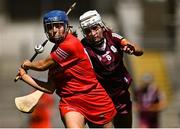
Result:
x=150 y=100
x=82 y=98
x=106 y=50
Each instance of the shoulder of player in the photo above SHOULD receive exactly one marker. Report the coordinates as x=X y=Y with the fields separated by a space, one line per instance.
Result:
x=71 y=39
x=71 y=43
x=84 y=42
x=115 y=35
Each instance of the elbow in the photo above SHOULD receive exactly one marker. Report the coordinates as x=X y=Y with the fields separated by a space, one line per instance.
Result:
x=50 y=91
x=41 y=66
x=42 y=69
x=46 y=91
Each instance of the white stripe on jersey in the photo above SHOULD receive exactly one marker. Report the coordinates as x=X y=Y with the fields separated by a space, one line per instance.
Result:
x=117 y=35
x=61 y=54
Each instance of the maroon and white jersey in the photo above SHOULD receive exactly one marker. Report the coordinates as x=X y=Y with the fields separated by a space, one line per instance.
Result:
x=108 y=63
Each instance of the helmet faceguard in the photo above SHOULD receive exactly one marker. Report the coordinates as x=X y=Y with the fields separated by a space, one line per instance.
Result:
x=52 y=17
x=90 y=19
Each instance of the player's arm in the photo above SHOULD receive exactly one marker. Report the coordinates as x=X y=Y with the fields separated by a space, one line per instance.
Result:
x=47 y=87
x=131 y=48
x=161 y=104
x=39 y=65
x=127 y=46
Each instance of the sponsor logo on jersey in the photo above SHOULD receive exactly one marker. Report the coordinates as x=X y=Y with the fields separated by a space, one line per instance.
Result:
x=113 y=49
x=99 y=57
x=126 y=80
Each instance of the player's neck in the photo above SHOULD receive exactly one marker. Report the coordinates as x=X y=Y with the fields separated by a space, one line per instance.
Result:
x=101 y=46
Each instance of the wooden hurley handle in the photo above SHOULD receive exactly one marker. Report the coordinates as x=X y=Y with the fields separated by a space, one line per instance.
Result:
x=17 y=78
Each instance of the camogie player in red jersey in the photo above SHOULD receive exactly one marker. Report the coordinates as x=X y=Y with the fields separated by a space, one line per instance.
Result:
x=106 y=50
x=71 y=76
x=42 y=114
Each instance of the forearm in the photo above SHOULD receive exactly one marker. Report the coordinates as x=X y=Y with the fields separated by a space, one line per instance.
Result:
x=39 y=85
x=38 y=65
x=155 y=107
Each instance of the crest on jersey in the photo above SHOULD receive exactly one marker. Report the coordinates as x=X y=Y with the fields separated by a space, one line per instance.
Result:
x=113 y=49
x=99 y=57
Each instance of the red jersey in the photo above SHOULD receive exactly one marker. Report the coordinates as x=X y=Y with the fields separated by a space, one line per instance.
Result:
x=77 y=85
x=75 y=74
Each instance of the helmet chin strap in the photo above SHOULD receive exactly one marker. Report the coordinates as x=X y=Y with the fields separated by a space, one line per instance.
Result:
x=101 y=46
x=54 y=40
x=97 y=44
x=60 y=39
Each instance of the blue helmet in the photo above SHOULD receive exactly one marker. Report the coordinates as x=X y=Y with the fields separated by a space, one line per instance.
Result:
x=55 y=16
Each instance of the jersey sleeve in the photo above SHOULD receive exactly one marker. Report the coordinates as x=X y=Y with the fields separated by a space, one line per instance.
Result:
x=115 y=35
x=122 y=41
x=64 y=55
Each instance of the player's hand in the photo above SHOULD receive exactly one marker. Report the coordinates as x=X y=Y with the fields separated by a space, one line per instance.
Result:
x=25 y=65
x=129 y=49
x=21 y=72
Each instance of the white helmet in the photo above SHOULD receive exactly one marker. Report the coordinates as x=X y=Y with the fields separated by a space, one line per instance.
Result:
x=89 y=19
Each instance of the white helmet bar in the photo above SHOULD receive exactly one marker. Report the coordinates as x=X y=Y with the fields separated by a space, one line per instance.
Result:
x=89 y=19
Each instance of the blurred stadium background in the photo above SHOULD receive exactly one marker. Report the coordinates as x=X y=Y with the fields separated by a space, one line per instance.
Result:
x=154 y=24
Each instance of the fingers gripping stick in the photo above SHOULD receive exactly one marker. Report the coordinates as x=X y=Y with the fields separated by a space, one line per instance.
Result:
x=129 y=49
x=38 y=49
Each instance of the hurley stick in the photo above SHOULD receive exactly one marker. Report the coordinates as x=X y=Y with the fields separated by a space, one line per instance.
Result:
x=32 y=58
